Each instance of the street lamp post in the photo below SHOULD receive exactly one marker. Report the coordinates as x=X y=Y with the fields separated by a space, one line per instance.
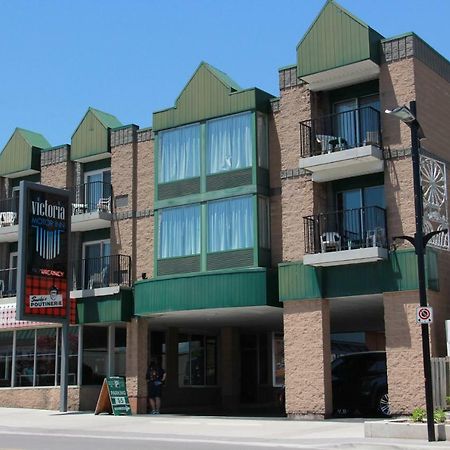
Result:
x=419 y=241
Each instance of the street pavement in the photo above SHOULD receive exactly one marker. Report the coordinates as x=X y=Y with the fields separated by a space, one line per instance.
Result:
x=26 y=429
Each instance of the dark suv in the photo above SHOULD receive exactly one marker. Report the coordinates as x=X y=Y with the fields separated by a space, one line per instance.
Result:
x=360 y=383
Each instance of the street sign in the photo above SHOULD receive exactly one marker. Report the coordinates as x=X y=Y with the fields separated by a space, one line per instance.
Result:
x=424 y=314
x=113 y=397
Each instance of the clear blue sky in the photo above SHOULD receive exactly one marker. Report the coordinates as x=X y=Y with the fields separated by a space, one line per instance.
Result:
x=130 y=58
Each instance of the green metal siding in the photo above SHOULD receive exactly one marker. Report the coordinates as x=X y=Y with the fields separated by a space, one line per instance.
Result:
x=209 y=95
x=336 y=39
x=106 y=309
x=20 y=154
x=398 y=273
x=237 y=288
x=91 y=138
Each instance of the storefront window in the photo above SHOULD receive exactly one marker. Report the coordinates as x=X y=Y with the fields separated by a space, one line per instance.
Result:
x=6 y=345
x=95 y=354
x=278 y=360
x=45 y=357
x=25 y=357
x=120 y=351
x=196 y=360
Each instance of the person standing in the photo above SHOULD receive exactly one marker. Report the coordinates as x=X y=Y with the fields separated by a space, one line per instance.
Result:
x=155 y=379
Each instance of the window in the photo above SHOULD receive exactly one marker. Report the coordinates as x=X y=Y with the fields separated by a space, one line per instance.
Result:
x=6 y=345
x=278 y=359
x=262 y=136
x=179 y=231
x=97 y=190
x=96 y=264
x=179 y=153
x=229 y=143
x=196 y=360
x=95 y=354
x=230 y=224
x=264 y=222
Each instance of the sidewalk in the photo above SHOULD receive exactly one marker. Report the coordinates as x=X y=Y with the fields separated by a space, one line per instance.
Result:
x=281 y=433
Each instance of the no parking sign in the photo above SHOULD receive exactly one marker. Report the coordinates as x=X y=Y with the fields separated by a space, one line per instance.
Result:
x=424 y=314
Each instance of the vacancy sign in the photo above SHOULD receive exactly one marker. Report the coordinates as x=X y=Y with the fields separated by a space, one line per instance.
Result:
x=424 y=314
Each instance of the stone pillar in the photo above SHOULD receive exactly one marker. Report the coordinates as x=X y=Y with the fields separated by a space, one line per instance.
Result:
x=406 y=386
x=137 y=357
x=230 y=369
x=307 y=356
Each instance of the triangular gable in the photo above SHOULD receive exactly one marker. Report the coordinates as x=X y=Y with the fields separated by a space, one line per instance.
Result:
x=90 y=140
x=336 y=38
x=21 y=155
x=209 y=93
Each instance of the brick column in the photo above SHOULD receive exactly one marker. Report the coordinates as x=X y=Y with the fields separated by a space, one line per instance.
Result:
x=137 y=356
x=406 y=386
x=230 y=369
x=307 y=356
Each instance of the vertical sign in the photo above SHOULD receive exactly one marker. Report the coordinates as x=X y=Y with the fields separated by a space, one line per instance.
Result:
x=43 y=263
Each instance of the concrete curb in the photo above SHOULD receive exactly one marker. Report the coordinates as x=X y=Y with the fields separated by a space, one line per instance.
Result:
x=404 y=429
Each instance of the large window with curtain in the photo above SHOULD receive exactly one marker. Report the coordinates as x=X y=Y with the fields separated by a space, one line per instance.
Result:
x=229 y=143
x=179 y=153
x=179 y=231
x=230 y=224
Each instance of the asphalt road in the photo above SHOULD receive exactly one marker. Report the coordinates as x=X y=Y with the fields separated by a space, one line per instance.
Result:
x=50 y=430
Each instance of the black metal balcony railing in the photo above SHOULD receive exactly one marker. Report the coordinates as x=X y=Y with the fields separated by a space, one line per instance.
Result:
x=345 y=230
x=9 y=208
x=106 y=271
x=91 y=197
x=340 y=131
x=8 y=282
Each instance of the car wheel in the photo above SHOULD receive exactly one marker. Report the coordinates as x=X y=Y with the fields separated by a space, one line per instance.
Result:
x=383 y=408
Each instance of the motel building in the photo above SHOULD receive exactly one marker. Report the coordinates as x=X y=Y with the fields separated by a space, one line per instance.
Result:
x=245 y=239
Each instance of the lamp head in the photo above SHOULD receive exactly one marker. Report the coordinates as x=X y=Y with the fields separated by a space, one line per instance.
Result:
x=403 y=113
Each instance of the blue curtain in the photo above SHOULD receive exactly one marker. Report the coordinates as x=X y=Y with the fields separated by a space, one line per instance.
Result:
x=229 y=143
x=179 y=231
x=179 y=153
x=230 y=224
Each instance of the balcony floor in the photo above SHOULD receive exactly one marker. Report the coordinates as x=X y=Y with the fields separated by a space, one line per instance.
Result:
x=345 y=257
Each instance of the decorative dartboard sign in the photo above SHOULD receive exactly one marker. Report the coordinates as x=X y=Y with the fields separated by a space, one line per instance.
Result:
x=434 y=186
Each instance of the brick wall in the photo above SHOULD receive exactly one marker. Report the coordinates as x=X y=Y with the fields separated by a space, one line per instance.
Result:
x=56 y=168
x=403 y=352
x=307 y=357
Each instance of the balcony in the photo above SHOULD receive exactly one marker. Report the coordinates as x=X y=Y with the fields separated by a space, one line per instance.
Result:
x=102 y=272
x=350 y=236
x=8 y=282
x=9 y=218
x=91 y=206
x=342 y=145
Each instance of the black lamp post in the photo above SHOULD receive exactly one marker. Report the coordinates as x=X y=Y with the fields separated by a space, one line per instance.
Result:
x=419 y=241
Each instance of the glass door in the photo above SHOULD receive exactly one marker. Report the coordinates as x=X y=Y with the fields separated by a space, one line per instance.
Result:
x=12 y=278
x=346 y=123
x=369 y=119
x=96 y=262
x=98 y=190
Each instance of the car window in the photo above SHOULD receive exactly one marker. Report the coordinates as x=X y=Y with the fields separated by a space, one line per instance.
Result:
x=377 y=366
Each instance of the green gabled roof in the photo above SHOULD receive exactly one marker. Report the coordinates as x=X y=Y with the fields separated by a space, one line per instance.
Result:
x=209 y=93
x=21 y=154
x=34 y=139
x=106 y=119
x=90 y=140
x=336 y=38
x=222 y=76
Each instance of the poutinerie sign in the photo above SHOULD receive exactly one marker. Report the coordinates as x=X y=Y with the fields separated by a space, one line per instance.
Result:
x=43 y=263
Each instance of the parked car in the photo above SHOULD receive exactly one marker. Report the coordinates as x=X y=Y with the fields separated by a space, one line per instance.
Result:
x=360 y=384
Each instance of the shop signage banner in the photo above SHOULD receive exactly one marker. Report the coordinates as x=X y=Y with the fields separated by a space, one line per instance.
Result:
x=43 y=254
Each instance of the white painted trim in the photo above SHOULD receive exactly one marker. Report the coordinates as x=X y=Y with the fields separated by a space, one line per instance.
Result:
x=344 y=257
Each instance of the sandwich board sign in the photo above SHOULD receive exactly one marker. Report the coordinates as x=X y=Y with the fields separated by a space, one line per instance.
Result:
x=113 y=397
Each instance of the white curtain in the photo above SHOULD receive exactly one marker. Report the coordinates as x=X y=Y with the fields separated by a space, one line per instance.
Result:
x=230 y=224
x=179 y=153
x=179 y=231
x=229 y=143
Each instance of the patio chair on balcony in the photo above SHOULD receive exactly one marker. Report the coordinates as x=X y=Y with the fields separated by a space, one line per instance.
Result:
x=104 y=204
x=7 y=218
x=331 y=144
x=330 y=240
x=375 y=237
